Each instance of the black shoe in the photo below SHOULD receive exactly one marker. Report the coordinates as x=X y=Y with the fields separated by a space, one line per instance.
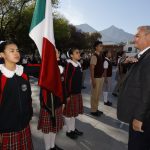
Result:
x=100 y=112
x=96 y=114
x=77 y=132
x=115 y=94
x=83 y=87
x=53 y=148
x=71 y=135
x=108 y=103
x=58 y=148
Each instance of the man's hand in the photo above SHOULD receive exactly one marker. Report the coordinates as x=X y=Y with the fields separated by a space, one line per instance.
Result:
x=137 y=125
x=131 y=60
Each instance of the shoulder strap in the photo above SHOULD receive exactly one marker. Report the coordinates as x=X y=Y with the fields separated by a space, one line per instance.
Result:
x=70 y=84
x=24 y=76
x=70 y=79
x=3 y=80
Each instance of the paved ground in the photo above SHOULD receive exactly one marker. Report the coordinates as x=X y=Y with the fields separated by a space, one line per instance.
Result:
x=102 y=133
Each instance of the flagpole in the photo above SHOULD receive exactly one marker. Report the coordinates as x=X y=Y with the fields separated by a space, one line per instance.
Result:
x=52 y=100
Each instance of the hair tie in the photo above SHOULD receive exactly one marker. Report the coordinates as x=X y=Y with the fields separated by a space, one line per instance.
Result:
x=68 y=55
x=2 y=42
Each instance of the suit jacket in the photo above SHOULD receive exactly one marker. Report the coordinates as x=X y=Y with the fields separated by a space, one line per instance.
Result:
x=134 y=96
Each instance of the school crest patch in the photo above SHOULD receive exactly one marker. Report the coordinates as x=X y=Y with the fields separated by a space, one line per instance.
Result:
x=24 y=87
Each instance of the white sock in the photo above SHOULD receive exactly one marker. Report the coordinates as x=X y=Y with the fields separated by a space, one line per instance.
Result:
x=72 y=123
x=52 y=141
x=47 y=139
x=105 y=94
x=68 y=123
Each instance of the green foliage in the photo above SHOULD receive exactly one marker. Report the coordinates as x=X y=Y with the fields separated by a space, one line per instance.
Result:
x=22 y=33
x=77 y=38
x=81 y=39
x=93 y=37
x=61 y=31
x=10 y=16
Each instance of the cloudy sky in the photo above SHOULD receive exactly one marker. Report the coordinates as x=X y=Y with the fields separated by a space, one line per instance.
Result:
x=101 y=14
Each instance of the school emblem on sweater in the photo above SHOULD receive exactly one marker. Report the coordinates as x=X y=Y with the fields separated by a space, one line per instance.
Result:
x=24 y=87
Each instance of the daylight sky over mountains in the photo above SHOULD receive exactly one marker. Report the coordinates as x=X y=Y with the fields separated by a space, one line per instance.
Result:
x=100 y=14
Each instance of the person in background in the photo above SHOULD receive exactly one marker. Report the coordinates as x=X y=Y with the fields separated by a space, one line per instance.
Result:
x=107 y=77
x=84 y=64
x=121 y=71
x=97 y=79
x=73 y=86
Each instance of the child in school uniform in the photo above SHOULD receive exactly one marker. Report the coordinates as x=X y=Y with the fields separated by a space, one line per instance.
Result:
x=15 y=100
x=107 y=77
x=73 y=86
x=51 y=116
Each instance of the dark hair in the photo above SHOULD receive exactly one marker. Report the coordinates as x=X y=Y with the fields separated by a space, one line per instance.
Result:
x=3 y=45
x=70 y=51
x=97 y=43
x=82 y=54
x=105 y=52
x=121 y=53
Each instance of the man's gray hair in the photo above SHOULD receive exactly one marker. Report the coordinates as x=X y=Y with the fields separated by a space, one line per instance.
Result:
x=145 y=28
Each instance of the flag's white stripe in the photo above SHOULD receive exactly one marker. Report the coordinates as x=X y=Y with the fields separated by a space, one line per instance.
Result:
x=37 y=35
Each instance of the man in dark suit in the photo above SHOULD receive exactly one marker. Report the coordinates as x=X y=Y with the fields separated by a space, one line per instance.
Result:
x=134 y=97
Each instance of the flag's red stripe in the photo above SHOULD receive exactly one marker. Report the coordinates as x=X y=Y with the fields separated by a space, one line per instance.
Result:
x=50 y=75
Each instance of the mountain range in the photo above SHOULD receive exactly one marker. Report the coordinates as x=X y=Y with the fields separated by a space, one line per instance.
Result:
x=111 y=35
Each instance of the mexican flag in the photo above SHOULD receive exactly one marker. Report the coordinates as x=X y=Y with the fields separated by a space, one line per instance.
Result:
x=41 y=32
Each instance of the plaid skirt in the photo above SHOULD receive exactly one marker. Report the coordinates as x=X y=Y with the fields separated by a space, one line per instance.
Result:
x=74 y=106
x=16 y=140
x=45 y=123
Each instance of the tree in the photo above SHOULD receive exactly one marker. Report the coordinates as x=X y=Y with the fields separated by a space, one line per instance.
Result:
x=77 y=38
x=22 y=32
x=10 y=16
x=61 y=31
x=81 y=39
x=94 y=37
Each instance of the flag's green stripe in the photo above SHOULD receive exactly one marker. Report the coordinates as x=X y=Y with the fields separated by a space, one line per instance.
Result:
x=39 y=13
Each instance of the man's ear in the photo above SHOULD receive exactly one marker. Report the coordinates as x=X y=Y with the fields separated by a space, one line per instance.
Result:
x=1 y=55
x=71 y=55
